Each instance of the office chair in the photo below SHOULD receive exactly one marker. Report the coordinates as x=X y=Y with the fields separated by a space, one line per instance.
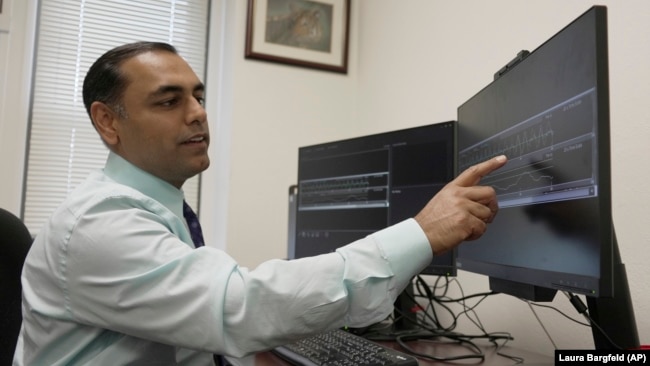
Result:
x=15 y=241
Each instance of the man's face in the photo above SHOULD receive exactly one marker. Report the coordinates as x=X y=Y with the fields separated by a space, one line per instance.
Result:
x=166 y=130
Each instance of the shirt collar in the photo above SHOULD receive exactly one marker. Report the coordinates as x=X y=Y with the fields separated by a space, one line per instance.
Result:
x=123 y=172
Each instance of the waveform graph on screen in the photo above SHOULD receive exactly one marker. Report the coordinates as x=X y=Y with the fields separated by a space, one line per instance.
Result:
x=363 y=190
x=550 y=155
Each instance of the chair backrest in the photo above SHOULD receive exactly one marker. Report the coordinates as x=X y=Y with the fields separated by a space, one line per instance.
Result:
x=15 y=241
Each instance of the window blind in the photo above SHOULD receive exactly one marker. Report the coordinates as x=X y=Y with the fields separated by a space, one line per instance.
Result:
x=63 y=145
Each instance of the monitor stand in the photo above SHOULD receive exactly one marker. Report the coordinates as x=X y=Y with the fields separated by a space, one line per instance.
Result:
x=406 y=310
x=615 y=315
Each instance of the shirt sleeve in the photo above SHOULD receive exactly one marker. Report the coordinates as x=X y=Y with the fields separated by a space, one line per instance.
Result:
x=357 y=285
x=124 y=270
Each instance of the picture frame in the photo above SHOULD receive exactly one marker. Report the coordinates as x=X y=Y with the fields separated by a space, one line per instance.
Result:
x=312 y=34
x=4 y=16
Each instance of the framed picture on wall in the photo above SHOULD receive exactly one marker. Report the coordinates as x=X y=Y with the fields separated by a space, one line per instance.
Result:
x=304 y=33
x=4 y=16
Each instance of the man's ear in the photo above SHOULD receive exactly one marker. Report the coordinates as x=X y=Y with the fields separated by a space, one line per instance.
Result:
x=105 y=120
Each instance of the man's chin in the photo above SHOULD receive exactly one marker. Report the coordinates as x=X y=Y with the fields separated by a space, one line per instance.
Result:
x=202 y=166
x=206 y=164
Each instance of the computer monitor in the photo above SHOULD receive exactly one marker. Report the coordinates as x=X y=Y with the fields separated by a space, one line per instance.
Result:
x=548 y=111
x=350 y=188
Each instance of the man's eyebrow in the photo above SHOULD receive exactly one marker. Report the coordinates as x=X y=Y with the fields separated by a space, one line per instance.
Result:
x=200 y=87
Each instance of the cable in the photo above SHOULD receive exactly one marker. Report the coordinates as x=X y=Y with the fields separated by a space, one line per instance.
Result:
x=422 y=286
x=541 y=324
x=582 y=309
x=430 y=326
x=478 y=355
x=556 y=310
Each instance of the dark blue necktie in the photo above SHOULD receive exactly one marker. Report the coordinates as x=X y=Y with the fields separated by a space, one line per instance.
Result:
x=197 y=237
x=194 y=225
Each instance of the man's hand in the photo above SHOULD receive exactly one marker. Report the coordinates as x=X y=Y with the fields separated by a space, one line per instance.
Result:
x=462 y=209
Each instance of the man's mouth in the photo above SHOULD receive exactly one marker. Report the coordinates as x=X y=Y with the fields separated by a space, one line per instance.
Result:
x=194 y=140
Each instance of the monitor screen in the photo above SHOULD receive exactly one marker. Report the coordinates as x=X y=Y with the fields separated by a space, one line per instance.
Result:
x=351 y=188
x=550 y=115
x=548 y=111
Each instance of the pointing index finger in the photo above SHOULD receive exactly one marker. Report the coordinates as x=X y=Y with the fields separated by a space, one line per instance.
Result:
x=472 y=176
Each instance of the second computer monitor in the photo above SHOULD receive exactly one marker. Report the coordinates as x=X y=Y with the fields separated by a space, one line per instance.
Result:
x=350 y=188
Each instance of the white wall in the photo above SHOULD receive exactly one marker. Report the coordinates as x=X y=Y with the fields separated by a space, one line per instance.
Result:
x=15 y=77
x=411 y=63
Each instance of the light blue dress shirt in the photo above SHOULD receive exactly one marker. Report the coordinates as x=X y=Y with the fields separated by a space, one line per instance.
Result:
x=113 y=279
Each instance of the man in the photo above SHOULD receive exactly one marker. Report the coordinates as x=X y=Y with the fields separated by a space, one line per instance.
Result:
x=114 y=276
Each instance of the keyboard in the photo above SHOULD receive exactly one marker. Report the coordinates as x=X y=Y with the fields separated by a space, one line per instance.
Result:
x=341 y=348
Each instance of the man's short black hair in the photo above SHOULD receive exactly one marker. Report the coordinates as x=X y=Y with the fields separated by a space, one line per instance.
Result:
x=106 y=83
